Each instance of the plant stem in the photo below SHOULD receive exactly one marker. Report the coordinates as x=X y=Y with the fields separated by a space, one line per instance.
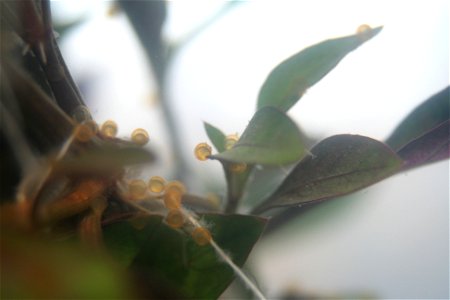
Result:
x=147 y=18
x=63 y=86
x=238 y=271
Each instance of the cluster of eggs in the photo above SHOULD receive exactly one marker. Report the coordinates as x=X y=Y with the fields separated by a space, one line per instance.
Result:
x=87 y=129
x=172 y=194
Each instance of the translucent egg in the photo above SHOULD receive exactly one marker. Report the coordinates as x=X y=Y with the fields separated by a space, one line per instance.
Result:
x=140 y=136
x=237 y=167
x=109 y=129
x=137 y=189
x=81 y=114
x=175 y=187
x=231 y=140
x=85 y=132
x=156 y=184
x=202 y=151
x=201 y=236
x=363 y=28
x=175 y=218
x=174 y=194
x=363 y=32
x=172 y=201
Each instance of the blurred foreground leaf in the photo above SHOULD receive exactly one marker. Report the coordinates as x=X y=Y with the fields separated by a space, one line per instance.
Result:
x=422 y=119
x=147 y=19
x=270 y=138
x=34 y=269
x=193 y=271
x=104 y=159
x=340 y=164
x=430 y=147
x=286 y=84
x=216 y=136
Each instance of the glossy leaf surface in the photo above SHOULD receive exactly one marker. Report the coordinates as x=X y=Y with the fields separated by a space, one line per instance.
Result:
x=286 y=84
x=270 y=138
x=216 y=136
x=422 y=119
x=430 y=147
x=194 y=271
x=340 y=164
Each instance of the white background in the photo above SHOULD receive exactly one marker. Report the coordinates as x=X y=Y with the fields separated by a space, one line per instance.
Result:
x=390 y=240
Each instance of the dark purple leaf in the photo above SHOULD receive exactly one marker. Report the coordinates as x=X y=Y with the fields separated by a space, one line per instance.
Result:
x=422 y=119
x=430 y=147
x=339 y=165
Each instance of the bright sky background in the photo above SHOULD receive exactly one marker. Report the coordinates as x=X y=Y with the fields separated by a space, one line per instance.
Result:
x=392 y=242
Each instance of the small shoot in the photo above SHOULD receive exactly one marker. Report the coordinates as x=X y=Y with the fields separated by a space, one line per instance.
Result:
x=175 y=218
x=137 y=189
x=109 y=129
x=140 y=137
x=156 y=184
x=202 y=151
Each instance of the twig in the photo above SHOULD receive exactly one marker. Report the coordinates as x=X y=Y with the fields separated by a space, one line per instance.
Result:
x=227 y=259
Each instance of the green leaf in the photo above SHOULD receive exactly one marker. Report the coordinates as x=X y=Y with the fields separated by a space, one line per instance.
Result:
x=423 y=118
x=271 y=138
x=124 y=239
x=194 y=271
x=262 y=183
x=430 y=147
x=286 y=84
x=216 y=136
x=104 y=159
x=340 y=164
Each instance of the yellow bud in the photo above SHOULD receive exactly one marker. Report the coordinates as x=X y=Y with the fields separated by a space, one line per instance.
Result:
x=109 y=129
x=156 y=184
x=201 y=236
x=237 y=167
x=137 y=189
x=140 y=137
x=202 y=151
x=231 y=140
x=175 y=218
